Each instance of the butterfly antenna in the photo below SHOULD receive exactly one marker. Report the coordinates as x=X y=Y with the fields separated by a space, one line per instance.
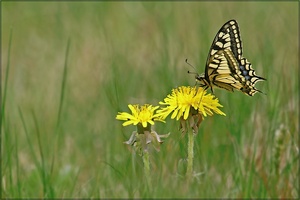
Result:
x=186 y=61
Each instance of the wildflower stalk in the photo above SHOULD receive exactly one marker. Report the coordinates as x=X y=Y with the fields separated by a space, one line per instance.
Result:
x=190 y=159
x=146 y=162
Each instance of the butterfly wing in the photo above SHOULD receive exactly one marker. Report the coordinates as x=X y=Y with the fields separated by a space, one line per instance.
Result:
x=228 y=37
x=221 y=70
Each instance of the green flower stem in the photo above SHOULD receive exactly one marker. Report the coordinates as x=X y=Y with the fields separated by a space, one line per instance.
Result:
x=189 y=171
x=147 y=167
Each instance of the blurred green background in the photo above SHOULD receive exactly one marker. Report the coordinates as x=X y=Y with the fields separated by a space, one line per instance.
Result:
x=59 y=133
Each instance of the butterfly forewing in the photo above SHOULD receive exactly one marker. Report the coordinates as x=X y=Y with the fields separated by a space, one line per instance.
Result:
x=227 y=37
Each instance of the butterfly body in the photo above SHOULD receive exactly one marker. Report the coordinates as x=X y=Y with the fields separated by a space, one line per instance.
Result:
x=225 y=66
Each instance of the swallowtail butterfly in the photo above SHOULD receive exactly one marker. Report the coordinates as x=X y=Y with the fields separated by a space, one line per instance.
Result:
x=225 y=66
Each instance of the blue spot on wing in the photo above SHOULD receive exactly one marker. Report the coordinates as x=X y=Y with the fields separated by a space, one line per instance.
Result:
x=245 y=72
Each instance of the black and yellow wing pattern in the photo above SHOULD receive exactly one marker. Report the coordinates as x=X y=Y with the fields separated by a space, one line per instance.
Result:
x=225 y=66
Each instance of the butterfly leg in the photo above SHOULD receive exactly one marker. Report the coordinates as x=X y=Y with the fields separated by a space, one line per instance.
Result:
x=212 y=91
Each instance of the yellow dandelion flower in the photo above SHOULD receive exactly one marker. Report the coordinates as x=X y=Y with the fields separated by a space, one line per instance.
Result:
x=140 y=115
x=185 y=101
x=189 y=105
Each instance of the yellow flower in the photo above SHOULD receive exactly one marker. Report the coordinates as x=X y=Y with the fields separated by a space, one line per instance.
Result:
x=185 y=101
x=140 y=115
x=143 y=117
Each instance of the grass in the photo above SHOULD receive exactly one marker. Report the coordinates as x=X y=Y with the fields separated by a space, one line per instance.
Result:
x=68 y=68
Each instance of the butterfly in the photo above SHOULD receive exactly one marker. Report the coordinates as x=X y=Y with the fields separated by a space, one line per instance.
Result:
x=225 y=65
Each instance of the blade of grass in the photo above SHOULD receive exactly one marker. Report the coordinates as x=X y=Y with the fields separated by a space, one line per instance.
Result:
x=17 y=167
x=6 y=78
x=47 y=187
x=2 y=117
x=63 y=85
x=28 y=139
x=7 y=163
x=62 y=96
x=42 y=169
